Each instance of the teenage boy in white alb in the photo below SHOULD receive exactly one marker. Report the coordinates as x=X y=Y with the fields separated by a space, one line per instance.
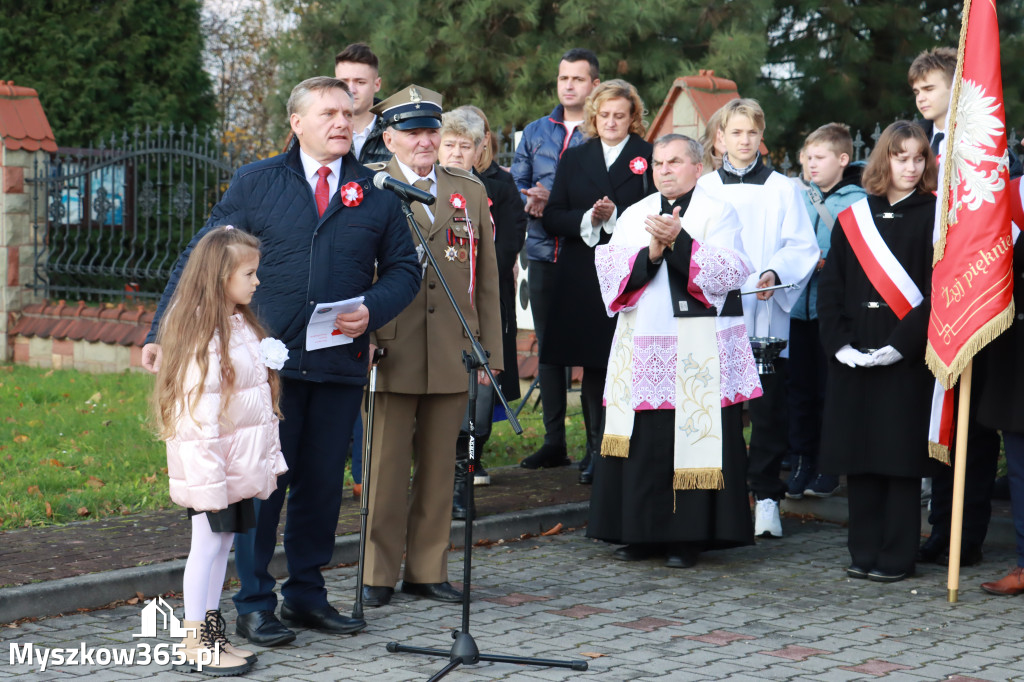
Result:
x=779 y=240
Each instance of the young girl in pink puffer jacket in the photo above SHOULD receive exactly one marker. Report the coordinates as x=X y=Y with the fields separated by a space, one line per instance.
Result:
x=216 y=406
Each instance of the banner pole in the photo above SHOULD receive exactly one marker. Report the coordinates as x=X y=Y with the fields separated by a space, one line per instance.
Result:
x=956 y=523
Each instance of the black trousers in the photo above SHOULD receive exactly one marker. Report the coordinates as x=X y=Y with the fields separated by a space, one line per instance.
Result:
x=807 y=371
x=885 y=521
x=769 y=435
x=318 y=421
x=552 y=377
x=980 y=475
x=591 y=400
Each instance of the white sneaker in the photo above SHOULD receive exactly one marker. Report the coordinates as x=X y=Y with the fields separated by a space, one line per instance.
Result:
x=767 y=523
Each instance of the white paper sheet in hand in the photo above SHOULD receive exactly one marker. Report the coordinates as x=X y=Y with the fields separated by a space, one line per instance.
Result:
x=320 y=332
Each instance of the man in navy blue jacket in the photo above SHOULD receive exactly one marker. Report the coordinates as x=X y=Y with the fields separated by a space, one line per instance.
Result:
x=533 y=169
x=319 y=245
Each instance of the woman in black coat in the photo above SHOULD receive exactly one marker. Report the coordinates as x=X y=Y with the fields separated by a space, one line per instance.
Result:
x=878 y=391
x=595 y=182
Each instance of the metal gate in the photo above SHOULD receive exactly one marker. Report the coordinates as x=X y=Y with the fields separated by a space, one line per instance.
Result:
x=111 y=221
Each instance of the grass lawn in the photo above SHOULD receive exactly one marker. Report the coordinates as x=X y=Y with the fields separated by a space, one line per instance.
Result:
x=75 y=446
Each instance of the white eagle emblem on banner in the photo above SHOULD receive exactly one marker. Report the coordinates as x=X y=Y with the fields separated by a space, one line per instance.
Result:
x=977 y=130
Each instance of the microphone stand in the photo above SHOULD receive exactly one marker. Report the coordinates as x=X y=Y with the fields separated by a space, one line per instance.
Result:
x=465 y=651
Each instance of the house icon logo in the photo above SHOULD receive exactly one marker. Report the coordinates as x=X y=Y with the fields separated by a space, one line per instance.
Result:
x=158 y=615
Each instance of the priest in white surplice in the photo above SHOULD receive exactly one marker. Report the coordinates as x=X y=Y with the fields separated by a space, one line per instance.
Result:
x=780 y=242
x=671 y=479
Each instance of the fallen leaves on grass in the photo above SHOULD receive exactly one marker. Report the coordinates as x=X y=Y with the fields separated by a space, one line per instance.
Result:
x=33 y=490
x=95 y=398
x=149 y=479
x=95 y=483
x=49 y=511
x=83 y=511
x=20 y=438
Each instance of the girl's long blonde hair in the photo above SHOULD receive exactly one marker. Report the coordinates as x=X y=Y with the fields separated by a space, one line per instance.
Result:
x=199 y=309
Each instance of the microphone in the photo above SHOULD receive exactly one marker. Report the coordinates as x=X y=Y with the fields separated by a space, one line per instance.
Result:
x=406 y=192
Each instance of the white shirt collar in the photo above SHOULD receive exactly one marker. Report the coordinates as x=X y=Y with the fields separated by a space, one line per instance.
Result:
x=612 y=153
x=310 y=166
x=411 y=175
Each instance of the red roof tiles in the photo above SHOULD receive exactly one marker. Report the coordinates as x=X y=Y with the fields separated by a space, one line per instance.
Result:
x=23 y=123
x=115 y=325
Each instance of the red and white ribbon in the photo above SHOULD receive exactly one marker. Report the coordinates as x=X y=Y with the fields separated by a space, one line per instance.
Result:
x=886 y=273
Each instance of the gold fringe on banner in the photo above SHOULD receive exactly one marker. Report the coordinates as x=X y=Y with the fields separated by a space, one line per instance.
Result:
x=951 y=137
x=938 y=451
x=615 y=446
x=948 y=375
x=698 y=479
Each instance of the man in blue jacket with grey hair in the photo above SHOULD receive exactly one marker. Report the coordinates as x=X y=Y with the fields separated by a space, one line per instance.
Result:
x=327 y=235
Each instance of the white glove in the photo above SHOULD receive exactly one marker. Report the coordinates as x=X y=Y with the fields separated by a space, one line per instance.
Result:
x=884 y=356
x=851 y=357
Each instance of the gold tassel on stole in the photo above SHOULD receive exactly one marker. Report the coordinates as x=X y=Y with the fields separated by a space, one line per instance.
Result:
x=698 y=479
x=615 y=446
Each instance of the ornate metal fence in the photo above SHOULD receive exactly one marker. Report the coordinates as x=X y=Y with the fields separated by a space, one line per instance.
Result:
x=111 y=221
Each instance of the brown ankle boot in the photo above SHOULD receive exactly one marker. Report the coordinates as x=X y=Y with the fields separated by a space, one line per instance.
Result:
x=215 y=626
x=203 y=654
x=1010 y=586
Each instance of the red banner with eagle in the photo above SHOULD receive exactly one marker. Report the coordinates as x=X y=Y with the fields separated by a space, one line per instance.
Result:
x=972 y=277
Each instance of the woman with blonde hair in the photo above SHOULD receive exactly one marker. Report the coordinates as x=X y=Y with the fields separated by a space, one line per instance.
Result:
x=595 y=182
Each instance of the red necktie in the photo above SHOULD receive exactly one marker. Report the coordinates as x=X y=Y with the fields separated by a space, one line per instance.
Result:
x=323 y=190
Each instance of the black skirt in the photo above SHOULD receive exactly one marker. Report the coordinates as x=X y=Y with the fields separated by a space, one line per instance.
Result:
x=237 y=518
x=632 y=498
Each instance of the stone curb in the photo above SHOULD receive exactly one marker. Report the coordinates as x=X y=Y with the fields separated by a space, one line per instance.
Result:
x=66 y=595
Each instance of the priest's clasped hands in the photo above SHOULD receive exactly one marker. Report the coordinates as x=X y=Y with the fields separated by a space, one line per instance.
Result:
x=663 y=230
x=851 y=357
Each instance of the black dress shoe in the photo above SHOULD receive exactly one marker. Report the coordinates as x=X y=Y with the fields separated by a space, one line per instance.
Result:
x=585 y=462
x=681 y=556
x=857 y=573
x=879 y=576
x=587 y=475
x=436 y=591
x=325 y=618
x=933 y=549
x=970 y=555
x=263 y=629
x=377 y=596
x=637 y=552
x=547 y=457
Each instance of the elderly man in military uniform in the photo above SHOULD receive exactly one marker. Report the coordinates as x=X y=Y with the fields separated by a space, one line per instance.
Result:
x=422 y=384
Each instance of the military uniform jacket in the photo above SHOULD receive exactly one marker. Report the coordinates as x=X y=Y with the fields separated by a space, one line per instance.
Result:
x=425 y=342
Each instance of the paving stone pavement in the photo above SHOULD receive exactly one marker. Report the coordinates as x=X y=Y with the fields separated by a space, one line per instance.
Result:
x=780 y=610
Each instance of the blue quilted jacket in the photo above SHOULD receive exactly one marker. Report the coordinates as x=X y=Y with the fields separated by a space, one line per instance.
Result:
x=308 y=260
x=536 y=159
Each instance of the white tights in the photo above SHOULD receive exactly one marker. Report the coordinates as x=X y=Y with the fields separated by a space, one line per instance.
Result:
x=205 y=568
